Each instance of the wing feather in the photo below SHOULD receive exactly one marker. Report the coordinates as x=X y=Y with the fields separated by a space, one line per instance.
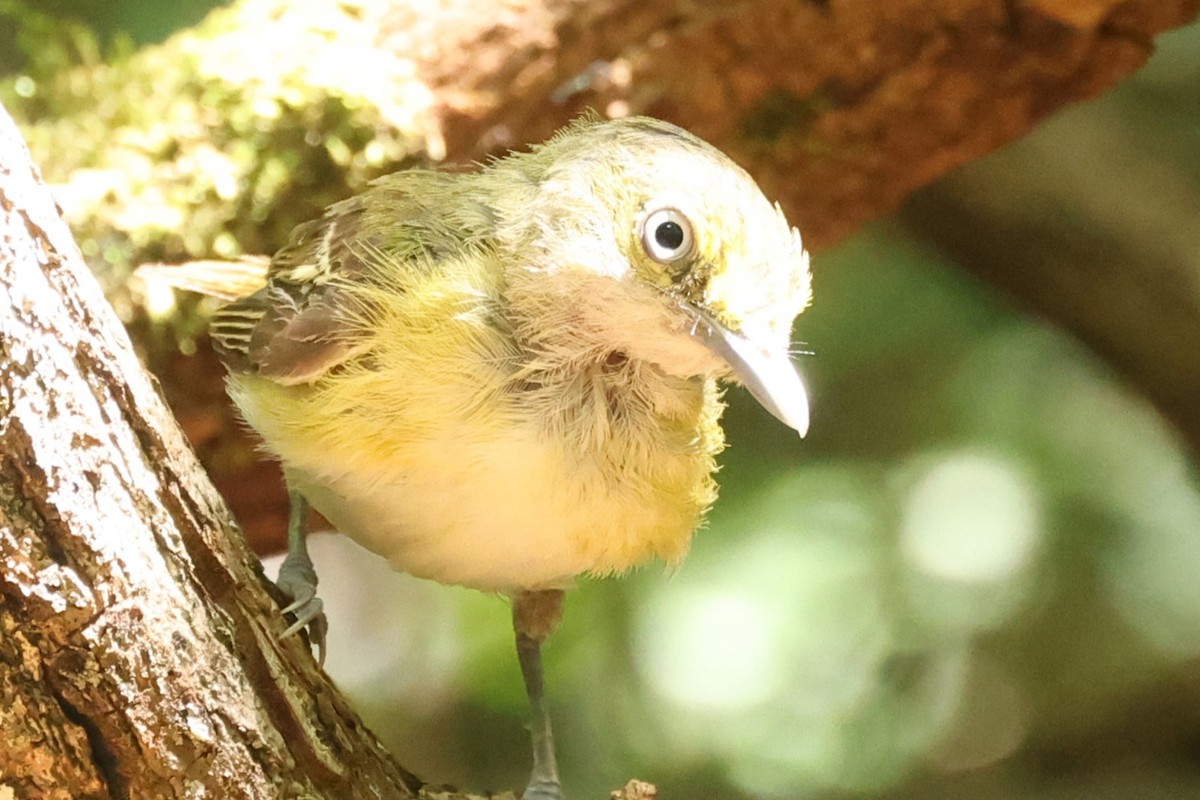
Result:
x=297 y=327
x=225 y=280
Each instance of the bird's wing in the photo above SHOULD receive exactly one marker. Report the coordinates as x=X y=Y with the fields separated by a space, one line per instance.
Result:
x=290 y=330
x=297 y=326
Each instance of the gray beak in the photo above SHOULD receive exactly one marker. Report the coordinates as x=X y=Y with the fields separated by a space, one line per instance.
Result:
x=769 y=375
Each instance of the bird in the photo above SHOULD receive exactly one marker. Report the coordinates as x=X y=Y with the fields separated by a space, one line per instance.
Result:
x=510 y=377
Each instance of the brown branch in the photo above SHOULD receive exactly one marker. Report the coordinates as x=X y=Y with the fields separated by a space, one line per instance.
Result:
x=840 y=108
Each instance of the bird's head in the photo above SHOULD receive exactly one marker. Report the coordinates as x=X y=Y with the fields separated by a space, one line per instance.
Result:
x=674 y=254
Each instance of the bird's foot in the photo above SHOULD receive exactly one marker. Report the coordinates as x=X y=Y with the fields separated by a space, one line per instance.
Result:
x=540 y=789
x=298 y=582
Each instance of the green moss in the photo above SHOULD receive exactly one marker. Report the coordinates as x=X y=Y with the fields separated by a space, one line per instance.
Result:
x=217 y=141
x=783 y=120
x=780 y=113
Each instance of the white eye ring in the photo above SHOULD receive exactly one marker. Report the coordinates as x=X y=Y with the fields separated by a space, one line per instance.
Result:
x=667 y=235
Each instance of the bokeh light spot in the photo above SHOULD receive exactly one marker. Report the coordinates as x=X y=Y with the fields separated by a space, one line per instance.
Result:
x=970 y=517
x=716 y=651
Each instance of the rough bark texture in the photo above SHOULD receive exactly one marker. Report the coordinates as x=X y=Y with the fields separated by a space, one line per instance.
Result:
x=138 y=651
x=842 y=107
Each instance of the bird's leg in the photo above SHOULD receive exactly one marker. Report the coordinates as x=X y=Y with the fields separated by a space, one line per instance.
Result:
x=535 y=616
x=298 y=580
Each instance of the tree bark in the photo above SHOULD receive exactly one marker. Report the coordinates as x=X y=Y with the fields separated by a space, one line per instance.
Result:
x=138 y=649
x=841 y=107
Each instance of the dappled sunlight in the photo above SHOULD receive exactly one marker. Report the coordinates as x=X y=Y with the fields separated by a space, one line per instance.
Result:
x=1095 y=444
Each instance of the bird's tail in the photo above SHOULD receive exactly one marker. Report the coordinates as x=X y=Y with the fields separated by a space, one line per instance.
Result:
x=226 y=280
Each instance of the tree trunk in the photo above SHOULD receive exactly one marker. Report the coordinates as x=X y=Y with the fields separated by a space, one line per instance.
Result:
x=138 y=650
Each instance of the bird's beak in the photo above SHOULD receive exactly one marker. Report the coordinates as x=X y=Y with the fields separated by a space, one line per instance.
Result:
x=767 y=373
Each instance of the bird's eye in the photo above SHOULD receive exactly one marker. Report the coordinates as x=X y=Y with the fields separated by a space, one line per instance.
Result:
x=667 y=235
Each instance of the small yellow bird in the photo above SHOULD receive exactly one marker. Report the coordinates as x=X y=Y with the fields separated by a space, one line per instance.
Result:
x=508 y=378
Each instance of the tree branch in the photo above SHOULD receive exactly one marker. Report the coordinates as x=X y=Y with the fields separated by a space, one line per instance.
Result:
x=841 y=108
x=220 y=140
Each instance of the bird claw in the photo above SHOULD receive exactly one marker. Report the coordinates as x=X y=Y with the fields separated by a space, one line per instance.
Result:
x=542 y=790
x=297 y=581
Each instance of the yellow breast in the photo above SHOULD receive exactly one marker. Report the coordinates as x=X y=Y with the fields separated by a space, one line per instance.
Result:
x=444 y=453
x=493 y=505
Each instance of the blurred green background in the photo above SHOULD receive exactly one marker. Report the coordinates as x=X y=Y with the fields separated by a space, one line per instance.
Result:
x=978 y=577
